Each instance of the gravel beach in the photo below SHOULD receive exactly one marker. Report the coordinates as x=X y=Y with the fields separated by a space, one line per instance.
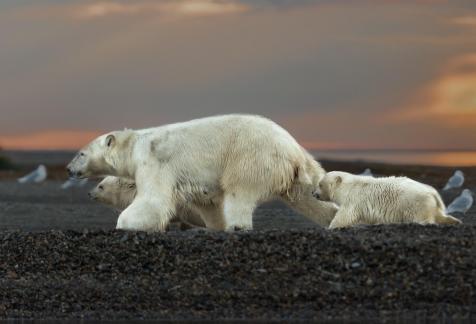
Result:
x=61 y=259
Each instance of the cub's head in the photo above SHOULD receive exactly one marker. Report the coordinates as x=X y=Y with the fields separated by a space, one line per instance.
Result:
x=103 y=156
x=114 y=191
x=329 y=185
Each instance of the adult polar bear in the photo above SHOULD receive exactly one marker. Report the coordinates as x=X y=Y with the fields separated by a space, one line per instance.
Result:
x=221 y=166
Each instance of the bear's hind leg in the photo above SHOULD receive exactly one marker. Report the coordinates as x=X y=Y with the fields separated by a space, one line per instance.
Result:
x=238 y=207
x=442 y=218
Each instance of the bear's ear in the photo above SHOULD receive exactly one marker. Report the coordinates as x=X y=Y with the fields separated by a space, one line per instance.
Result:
x=338 y=180
x=110 y=140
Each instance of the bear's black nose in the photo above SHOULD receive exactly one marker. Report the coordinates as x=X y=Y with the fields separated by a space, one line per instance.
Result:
x=70 y=172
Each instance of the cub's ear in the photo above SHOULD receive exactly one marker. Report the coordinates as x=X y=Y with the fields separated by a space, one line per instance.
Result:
x=110 y=140
x=338 y=180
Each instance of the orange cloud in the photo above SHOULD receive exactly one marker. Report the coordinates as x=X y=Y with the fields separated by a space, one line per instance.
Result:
x=465 y=21
x=449 y=99
x=167 y=8
x=48 y=140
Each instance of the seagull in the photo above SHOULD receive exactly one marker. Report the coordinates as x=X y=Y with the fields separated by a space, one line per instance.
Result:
x=455 y=181
x=367 y=173
x=72 y=182
x=462 y=203
x=37 y=176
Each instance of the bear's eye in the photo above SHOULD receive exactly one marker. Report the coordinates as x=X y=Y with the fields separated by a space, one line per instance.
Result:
x=101 y=187
x=82 y=154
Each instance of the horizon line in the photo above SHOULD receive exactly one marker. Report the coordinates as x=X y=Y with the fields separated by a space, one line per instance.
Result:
x=323 y=149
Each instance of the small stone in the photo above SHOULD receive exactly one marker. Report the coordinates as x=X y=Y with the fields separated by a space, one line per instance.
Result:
x=355 y=265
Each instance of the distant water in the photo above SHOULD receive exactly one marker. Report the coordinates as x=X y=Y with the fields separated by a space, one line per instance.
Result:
x=443 y=158
x=413 y=157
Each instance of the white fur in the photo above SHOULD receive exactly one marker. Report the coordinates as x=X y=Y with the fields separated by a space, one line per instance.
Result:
x=237 y=160
x=115 y=192
x=367 y=200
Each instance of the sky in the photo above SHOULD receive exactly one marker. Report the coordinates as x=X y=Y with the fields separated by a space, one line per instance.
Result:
x=338 y=74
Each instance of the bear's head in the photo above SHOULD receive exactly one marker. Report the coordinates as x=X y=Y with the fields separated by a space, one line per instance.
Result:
x=329 y=185
x=114 y=191
x=106 y=155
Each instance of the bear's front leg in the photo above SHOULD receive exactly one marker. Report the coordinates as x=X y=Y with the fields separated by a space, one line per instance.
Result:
x=146 y=214
x=344 y=217
x=154 y=205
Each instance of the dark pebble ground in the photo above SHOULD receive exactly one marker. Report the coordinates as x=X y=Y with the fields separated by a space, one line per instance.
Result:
x=52 y=267
x=405 y=272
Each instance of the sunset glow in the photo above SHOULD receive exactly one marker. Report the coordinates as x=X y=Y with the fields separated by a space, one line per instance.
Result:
x=48 y=140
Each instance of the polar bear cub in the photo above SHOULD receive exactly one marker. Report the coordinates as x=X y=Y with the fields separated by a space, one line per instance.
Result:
x=115 y=192
x=366 y=200
x=119 y=193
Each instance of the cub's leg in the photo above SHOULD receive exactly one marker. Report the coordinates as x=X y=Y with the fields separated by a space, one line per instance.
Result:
x=432 y=211
x=442 y=218
x=345 y=217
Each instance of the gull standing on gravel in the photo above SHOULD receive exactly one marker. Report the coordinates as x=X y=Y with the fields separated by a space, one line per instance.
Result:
x=37 y=176
x=462 y=203
x=455 y=181
x=367 y=173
